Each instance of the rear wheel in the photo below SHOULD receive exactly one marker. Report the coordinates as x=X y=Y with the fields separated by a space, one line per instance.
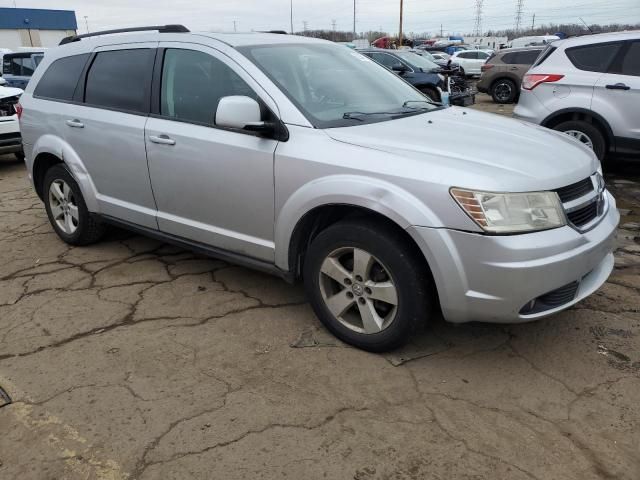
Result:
x=504 y=91
x=366 y=284
x=587 y=134
x=67 y=210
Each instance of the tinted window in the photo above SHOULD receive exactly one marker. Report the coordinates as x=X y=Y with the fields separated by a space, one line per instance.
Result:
x=593 y=58
x=387 y=60
x=466 y=55
x=28 y=66
x=61 y=78
x=527 y=57
x=510 y=58
x=120 y=79
x=482 y=55
x=12 y=66
x=631 y=61
x=194 y=82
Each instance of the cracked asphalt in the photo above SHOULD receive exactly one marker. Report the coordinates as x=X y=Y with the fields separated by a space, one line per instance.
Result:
x=131 y=359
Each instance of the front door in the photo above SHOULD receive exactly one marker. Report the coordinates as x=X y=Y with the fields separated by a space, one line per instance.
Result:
x=211 y=185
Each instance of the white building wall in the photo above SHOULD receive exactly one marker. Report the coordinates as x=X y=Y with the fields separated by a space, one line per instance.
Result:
x=14 y=39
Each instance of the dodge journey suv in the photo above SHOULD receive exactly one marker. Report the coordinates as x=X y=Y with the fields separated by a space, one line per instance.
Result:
x=308 y=160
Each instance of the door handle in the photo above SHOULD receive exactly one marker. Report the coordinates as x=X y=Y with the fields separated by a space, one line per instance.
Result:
x=618 y=86
x=162 y=139
x=75 y=123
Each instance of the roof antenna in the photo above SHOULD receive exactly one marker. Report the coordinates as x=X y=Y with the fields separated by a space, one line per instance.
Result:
x=585 y=24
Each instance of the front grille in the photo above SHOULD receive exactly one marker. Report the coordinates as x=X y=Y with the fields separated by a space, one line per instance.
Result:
x=575 y=190
x=552 y=299
x=583 y=215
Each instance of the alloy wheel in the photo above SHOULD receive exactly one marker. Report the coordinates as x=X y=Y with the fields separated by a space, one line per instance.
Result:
x=503 y=91
x=581 y=137
x=358 y=290
x=64 y=209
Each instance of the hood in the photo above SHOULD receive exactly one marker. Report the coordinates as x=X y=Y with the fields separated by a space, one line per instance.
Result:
x=470 y=149
x=6 y=92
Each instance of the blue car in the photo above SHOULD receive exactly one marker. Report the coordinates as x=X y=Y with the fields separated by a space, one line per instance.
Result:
x=427 y=76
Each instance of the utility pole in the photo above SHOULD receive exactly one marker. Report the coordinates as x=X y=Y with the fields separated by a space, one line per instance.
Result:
x=333 y=27
x=400 y=29
x=518 y=22
x=354 y=21
x=291 y=16
x=533 y=22
x=235 y=29
x=86 y=22
x=477 y=29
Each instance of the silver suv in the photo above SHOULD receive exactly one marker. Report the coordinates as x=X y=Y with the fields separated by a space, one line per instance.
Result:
x=589 y=88
x=308 y=160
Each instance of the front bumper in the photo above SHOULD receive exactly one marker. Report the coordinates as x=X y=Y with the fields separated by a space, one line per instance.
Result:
x=493 y=278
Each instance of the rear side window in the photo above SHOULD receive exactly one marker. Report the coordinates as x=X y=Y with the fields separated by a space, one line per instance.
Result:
x=60 y=80
x=631 y=61
x=593 y=58
x=528 y=57
x=120 y=79
x=546 y=53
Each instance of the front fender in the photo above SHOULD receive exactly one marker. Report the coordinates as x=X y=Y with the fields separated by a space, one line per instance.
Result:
x=56 y=146
x=374 y=194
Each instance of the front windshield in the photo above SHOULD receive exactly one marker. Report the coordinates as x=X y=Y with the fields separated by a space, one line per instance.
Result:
x=416 y=60
x=334 y=86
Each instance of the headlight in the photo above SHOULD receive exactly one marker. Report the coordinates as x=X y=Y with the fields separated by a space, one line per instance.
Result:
x=511 y=212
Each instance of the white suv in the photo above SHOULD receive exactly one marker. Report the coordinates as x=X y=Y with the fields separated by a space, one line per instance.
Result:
x=588 y=87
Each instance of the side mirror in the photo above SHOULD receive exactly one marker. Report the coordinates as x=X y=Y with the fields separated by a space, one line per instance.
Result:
x=238 y=112
x=399 y=67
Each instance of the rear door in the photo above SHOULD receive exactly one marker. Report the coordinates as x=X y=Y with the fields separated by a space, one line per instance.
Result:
x=617 y=93
x=105 y=127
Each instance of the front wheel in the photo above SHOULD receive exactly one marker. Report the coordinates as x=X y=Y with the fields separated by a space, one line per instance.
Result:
x=587 y=134
x=366 y=284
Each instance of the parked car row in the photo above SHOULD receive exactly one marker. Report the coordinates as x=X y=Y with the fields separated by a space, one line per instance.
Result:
x=308 y=160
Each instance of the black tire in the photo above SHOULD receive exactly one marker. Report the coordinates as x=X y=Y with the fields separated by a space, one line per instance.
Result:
x=591 y=131
x=431 y=92
x=406 y=271
x=89 y=229
x=504 y=91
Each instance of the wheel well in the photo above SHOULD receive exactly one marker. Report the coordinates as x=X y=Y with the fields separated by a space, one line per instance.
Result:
x=322 y=217
x=599 y=123
x=493 y=84
x=41 y=164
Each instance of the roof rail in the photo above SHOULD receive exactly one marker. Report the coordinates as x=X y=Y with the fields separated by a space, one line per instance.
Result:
x=159 y=28
x=279 y=32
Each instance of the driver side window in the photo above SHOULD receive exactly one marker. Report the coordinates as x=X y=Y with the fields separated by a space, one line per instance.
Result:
x=194 y=82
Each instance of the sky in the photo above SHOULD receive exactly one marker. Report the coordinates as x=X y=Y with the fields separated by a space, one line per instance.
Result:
x=455 y=16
